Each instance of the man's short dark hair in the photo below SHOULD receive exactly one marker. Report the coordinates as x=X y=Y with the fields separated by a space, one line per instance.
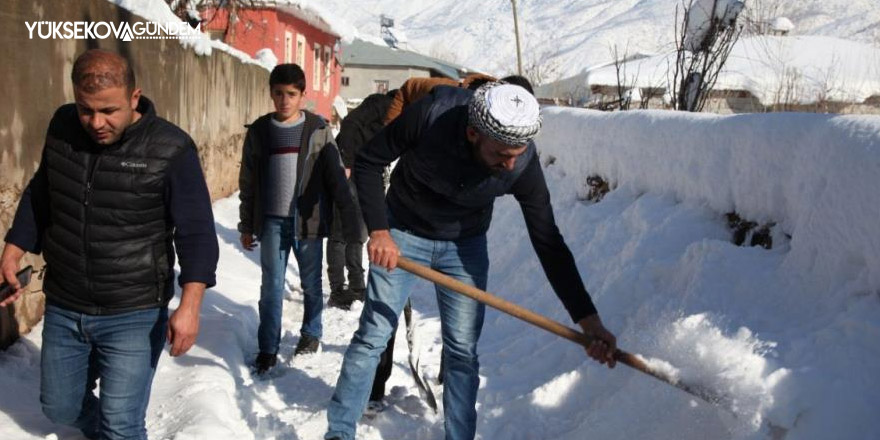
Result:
x=477 y=82
x=288 y=74
x=519 y=80
x=97 y=69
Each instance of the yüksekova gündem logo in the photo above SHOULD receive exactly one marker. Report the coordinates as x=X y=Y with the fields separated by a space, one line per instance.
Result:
x=100 y=30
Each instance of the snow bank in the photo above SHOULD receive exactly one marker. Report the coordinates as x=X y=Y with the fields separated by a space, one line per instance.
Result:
x=814 y=175
x=788 y=334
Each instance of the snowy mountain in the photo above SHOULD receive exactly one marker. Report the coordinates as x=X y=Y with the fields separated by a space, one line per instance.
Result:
x=566 y=36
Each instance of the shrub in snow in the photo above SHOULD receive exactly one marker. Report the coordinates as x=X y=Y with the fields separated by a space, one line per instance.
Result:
x=749 y=233
x=595 y=188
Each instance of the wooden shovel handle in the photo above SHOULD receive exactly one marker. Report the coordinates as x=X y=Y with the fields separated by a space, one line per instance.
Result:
x=502 y=305
x=548 y=324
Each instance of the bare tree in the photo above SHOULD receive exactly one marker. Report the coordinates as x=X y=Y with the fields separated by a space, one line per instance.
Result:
x=759 y=14
x=788 y=90
x=828 y=85
x=184 y=10
x=699 y=60
x=575 y=95
x=649 y=93
x=541 y=68
x=625 y=84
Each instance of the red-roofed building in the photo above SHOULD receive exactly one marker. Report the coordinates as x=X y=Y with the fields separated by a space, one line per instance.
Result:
x=294 y=34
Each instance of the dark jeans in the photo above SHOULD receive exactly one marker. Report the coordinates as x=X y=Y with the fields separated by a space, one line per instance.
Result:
x=342 y=255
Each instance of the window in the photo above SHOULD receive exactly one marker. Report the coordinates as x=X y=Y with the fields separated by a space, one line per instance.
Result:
x=344 y=81
x=301 y=50
x=288 y=47
x=326 y=65
x=316 y=68
x=380 y=86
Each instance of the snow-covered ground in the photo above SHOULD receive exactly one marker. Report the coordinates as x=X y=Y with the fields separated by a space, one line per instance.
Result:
x=789 y=334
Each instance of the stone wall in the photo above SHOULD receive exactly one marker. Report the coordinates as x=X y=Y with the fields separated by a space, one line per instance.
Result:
x=211 y=97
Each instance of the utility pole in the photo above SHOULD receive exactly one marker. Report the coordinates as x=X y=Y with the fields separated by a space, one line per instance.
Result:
x=516 y=31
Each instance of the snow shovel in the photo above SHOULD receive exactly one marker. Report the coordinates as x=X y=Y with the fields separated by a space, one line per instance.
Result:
x=557 y=328
x=421 y=381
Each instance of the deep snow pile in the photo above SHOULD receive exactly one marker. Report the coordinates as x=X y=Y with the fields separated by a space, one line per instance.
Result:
x=790 y=334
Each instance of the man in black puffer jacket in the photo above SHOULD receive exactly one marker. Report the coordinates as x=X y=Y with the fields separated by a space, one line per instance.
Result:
x=117 y=191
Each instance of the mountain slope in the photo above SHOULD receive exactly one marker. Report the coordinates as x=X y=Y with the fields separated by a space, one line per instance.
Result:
x=569 y=35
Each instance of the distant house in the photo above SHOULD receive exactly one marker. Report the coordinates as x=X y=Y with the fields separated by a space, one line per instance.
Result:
x=764 y=73
x=369 y=68
x=576 y=91
x=570 y=92
x=294 y=34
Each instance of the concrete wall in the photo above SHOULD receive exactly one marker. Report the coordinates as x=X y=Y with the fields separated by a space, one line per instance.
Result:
x=209 y=97
x=361 y=79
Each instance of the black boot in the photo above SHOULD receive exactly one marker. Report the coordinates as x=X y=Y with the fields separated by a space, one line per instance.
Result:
x=339 y=299
x=359 y=294
x=345 y=299
x=265 y=362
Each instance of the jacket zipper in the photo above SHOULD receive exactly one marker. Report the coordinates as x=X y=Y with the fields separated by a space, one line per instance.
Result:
x=298 y=186
x=86 y=199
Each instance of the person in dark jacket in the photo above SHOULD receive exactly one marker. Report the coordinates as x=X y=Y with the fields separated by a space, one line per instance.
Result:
x=458 y=151
x=413 y=90
x=291 y=174
x=117 y=191
x=358 y=127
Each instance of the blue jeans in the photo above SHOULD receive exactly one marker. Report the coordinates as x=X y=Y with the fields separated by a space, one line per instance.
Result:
x=275 y=244
x=461 y=321
x=121 y=350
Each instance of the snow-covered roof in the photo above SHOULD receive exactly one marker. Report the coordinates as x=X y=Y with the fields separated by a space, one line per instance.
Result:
x=307 y=11
x=360 y=52
x=159 y=11
x=818 y=67
x=317 y=14
x=782 y=24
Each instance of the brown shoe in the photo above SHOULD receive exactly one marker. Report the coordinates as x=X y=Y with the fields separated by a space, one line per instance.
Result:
x=307 y=345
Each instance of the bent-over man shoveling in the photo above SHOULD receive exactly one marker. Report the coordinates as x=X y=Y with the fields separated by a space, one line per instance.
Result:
x=458 y=151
